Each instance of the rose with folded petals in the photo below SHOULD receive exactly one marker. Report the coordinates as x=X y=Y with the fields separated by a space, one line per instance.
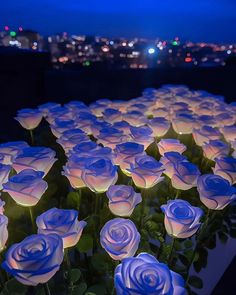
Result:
x=135 y=118
x=62 y=222
x=144 y=274
x=169 y=161
x=73 y=170
x=183 y=123
x=35 y=260
x=9 y=150
x=59 y=126
x=3 y=231
x=112 y=115
x=125 y=154
x=4 y=173
x=99 y=174
x=182 y=220
x=123 y=126
x=57 y=112
x=99 y=125
x=185 y=175
x=69 y=142
x=215 y=149
x=104 y=153
x=26 y=187
x=85 y=120
x=159 y=126
x=226 y=167
x=215 y=192
x=120 y=238
x=170 y=145
x=46 y=107
x=110 y=137
x=229 y=132
x=37 y=158
x=142 y=135
x=146 y=171
x=161 y=113
x=122 y=199
x=205 y=134
x=29 y=118
x=85 y=148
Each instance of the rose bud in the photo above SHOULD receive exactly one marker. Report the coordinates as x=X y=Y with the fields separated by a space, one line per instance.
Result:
x=29 y=118
x=159 y=126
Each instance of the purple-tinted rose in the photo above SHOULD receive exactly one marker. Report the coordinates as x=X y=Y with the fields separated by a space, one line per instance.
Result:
x=169 y=161
x=29 y=118
x=226 y=167
x=142 y=135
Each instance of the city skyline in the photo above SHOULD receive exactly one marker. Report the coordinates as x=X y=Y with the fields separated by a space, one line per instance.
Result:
x=206 y=21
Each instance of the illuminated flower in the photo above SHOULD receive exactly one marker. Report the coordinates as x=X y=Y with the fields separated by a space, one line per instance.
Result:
x=85 y=148
x=46 y=107
x=183 y=123
x=159 y=126
x=123 y=126
x=99 y=125
x=142 y=135
x=110 y=137
x=122 y=199
x=3 y=231
x=26 y=187
x=146 y=171
x=69 y=140
x=169 y=161
x=29 y=118
x=99 y=174
x=215 y=192
x=205 y=134
x=170 y=145
x=144 y=274
x=229 y=132
x=226 y=167
x=215 y=149
x=9 y=150
x=120 y=238
x=2 y=204
x=4 y=173
x=112 y=115
x=35 y=260
x=37 y=158
x=185 y=175
x=62 y=222
x=182 y=220
x=73 y=170
x=125 y=154
x=135 y=118
x=59 y=126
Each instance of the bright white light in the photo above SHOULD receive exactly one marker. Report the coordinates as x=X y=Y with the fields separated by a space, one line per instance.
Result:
x=151 y=50
x=228 y=51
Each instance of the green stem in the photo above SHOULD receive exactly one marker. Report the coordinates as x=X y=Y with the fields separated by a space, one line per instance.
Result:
x=67 y=259
x=143 y=204
x=32 y=217
x=46 y=289
x=177 y=194
x=31 y=136
x=171 y=252
x=79 y=195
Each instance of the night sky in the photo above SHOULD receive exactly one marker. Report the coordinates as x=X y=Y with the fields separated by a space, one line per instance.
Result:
x=197 y=20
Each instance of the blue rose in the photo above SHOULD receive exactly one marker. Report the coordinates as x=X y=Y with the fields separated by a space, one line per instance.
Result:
x=120 y=238
x=226 y=167
x=169 y=161
x=4 y=173
x=63 y=222
x=35 y=260
x=145 y=275
x=215 y=192
x=29 y=118
x=142 y=134
x=182 y=220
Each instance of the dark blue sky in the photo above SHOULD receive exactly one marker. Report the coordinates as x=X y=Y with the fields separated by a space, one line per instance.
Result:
x=198 y=20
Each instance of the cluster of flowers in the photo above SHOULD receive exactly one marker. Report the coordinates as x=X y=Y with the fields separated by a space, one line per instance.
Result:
x=97 y=140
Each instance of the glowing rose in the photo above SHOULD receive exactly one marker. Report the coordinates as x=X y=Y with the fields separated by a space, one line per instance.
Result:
x=205 y=134
x=170 y=145
x=146 y=171
x=62 y=222
x=135 y=118
x=37 y=158
x=9 y=150
x=215 y=192
x=159 y=126
x=73 y=171
x=59 y=126
x=69 y=140
x=120 y=238
x=29 y=118
x=99 y=174
x=125 y=154
x=229 y=132
x=2 y=204
x=226 y=167
x=215 y=149
x=182 y=220
x=35 y=260
x=183 y=123
x=26 y=187
x=4 y=173
x=142 y=135
x=169 y=161
x=3 y=231
x=122 y=199
x=110 y=137
x=144 y=274
x=112 y=115
x=185 y=175
x=100 y=125
x=123 y=126
x=46 y=107
x=85 y=148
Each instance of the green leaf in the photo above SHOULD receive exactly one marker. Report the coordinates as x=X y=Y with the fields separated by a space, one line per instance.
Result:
x=79 y=290
x=14 y=287
x=85 y=243
x=196 y=282
x=72 y=200
x=74 y=275
x=188 y=244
